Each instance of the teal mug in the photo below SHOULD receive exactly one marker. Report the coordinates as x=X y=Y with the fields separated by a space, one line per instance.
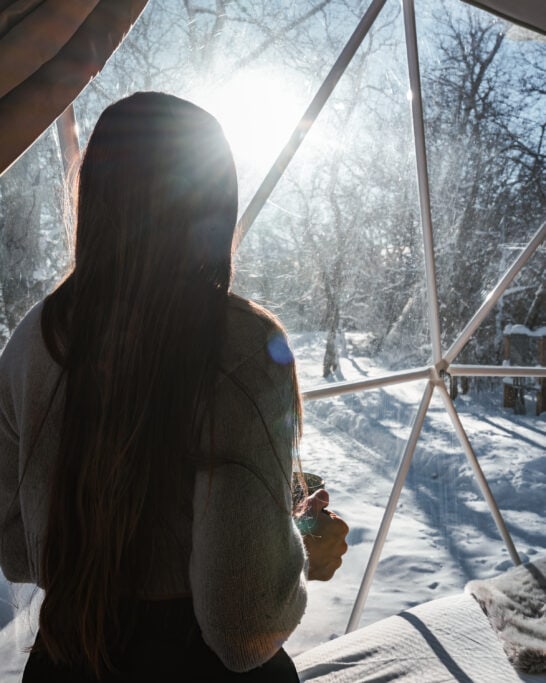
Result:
x=313 y=482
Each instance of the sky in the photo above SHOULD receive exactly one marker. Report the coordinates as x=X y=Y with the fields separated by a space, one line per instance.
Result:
x=442 y=534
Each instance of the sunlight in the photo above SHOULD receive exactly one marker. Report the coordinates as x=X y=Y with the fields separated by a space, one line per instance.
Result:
x=258 y=111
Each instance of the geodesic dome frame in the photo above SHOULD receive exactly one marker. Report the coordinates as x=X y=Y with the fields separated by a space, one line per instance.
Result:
x=51 y=50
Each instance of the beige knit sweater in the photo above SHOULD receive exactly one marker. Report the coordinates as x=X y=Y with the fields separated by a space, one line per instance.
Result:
x=241 y=556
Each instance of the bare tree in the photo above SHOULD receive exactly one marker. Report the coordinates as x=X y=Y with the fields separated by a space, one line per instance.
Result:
x=32 y=230
x=485 y=142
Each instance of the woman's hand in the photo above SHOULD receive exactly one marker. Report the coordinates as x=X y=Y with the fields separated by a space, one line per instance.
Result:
x=325 y=537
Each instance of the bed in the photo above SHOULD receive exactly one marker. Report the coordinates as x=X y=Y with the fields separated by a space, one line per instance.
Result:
x=492 y=632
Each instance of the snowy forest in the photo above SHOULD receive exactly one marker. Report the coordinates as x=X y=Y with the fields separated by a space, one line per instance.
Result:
x=338 y=246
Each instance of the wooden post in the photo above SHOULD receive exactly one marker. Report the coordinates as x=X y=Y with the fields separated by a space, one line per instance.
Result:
x=508 y=391
x=541 y=393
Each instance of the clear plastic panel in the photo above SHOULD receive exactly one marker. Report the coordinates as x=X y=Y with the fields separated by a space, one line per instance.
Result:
x=33 y=230
x=442 y=534
x=355 y=443
x=512 y=333
x=484 y=126
x=337 y=251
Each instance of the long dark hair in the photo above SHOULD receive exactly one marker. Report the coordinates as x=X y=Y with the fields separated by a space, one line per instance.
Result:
x=136 y=327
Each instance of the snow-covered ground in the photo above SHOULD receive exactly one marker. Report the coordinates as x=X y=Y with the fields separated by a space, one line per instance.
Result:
x=442 y=534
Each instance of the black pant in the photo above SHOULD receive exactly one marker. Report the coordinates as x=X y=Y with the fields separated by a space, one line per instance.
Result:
x=166 y=646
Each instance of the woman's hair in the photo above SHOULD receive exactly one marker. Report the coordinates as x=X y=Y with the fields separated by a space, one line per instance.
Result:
x=137 y=328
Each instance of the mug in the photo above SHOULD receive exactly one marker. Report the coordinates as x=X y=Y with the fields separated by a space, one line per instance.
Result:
x=313 y=481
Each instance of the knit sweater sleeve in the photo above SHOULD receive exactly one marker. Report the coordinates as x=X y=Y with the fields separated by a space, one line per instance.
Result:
x=13 y=560
x=248 y=564
x=13 y=374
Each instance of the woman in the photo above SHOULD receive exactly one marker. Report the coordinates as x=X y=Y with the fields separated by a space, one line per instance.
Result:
x=148 y=421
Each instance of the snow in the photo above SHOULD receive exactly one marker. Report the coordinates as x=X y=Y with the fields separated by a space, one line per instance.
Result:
x=442 y=534
x=523 y=329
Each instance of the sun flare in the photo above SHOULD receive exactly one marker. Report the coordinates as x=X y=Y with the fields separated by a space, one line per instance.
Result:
x=258 y=112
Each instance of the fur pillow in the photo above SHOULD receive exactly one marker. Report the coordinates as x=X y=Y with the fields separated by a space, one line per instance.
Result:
x=515 y=604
